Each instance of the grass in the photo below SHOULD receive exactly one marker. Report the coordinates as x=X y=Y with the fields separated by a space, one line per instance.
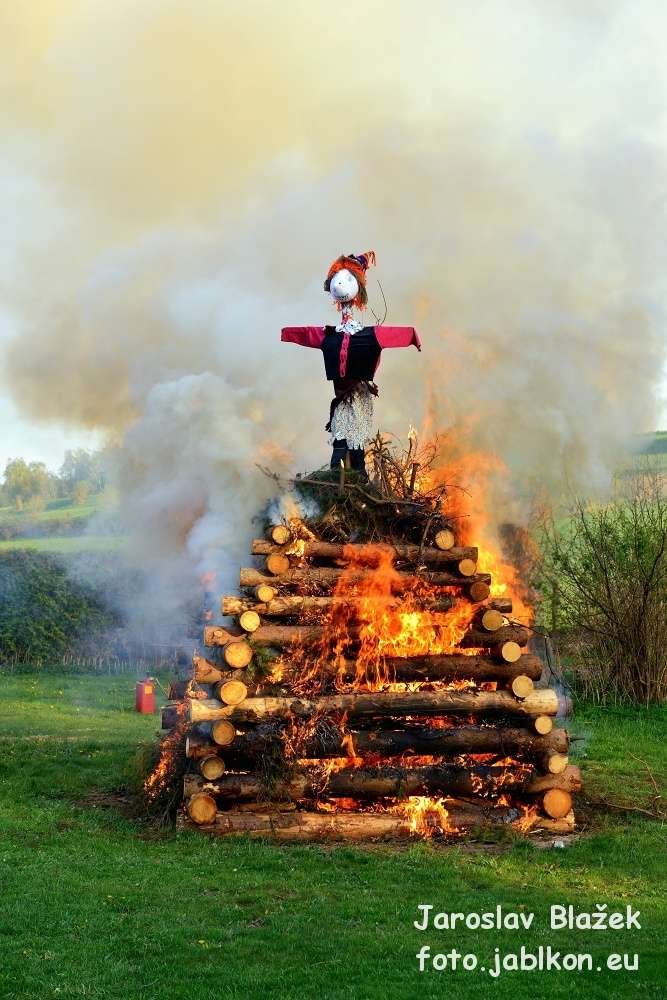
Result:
x=67 y=543
x=96 y=904
x=61 y=509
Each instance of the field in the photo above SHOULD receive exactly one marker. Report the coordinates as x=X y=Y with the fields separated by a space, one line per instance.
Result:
x=60 y=527
x=66 y=543
x=98 y=904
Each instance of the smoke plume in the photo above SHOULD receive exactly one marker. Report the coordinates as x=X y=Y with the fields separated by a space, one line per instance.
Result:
x=176 y=178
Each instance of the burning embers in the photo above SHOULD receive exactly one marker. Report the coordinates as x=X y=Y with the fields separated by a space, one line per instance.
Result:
x=370 y=691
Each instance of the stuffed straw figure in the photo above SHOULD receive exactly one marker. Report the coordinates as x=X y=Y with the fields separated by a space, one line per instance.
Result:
x=351 y=357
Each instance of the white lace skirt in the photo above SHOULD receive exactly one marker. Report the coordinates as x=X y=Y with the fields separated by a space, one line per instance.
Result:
x=353 y=419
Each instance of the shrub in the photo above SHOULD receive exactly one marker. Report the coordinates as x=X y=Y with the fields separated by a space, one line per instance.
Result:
x=43 y=611
x=605 y=570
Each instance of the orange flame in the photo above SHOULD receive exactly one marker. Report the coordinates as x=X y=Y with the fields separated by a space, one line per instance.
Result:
x=427 y=816
x=159 y=778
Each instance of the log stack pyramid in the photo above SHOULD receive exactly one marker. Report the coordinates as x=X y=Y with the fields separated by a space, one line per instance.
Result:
x=286 y=741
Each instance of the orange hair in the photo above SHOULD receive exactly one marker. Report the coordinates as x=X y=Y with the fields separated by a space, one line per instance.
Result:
x=356 y=265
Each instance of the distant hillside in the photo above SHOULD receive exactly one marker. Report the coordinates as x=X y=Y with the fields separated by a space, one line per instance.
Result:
x=59 y=519
x=652 y=444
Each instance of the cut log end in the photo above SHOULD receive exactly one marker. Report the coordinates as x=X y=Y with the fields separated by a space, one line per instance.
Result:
x=212 y=768
x=249 y=621
x=509 y=652
x=478 y=592
x=543 y=724
x=223 y=733
x=555 y=763
x=264 y=593
x=202 y=808
x=445 y=539
x=237 y=654
x=277 y=563
x=557 y=803
x=492 y=620
x=521 y=686
x=467 y=567
x=280 y=534
x=232 y=692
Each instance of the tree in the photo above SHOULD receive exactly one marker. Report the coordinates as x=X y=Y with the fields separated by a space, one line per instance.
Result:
x=80 y=465
x=81 y=492
x=24 y=481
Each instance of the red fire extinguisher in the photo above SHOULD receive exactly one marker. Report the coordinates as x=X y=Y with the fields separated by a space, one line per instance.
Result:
x=145 y=700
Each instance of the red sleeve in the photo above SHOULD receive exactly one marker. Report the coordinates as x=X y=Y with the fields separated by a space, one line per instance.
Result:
x=397 y=336
x=306 y=336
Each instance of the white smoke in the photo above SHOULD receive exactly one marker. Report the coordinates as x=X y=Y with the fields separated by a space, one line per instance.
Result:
x=175 y=180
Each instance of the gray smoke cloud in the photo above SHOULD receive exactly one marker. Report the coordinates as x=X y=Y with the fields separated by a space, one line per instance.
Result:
x=176 y=179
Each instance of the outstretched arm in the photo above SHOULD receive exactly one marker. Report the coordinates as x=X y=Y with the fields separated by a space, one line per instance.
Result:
x=306 y=336
x=397 y=336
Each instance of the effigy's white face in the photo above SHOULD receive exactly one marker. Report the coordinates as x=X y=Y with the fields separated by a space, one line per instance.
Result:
x=343 y=287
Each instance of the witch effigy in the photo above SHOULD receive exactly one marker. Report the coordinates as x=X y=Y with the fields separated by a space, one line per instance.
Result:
x=351 y=357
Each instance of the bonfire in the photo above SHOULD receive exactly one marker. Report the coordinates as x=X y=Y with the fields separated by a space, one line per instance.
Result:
x=374 y=680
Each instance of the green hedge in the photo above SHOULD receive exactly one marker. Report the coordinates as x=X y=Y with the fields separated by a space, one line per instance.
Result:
x=44 y=612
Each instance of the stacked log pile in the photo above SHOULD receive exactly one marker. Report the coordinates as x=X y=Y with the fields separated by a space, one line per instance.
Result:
x=292 y=734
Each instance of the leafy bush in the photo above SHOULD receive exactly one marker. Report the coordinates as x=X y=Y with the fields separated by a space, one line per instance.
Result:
x=605 y=571
x=43 y=611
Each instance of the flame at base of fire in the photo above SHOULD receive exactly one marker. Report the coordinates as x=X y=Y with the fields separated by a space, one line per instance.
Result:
x=427 y=816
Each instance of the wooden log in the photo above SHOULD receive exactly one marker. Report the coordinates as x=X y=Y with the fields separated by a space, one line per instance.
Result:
x=205 y=672
x=371 y=783
x=331 y=742
x=328 y=576
x=502 y=604
x=444 y=667
x=554 y=763
x=205 y=669
x=477 y=637
x=490 y=620
x=211 y=768
x=557 y=803
x=170 y=716
x=548 y=825
x=236 y=653
x=569 y=780
x=202 y=808
x=467 y=567
x=277 y=563
x=438 y=667
x=370 y=555
x=231 y=692
x=543 y=724
x=279 y=534
x=509 y=652
x=458 y=666
x=478 y=591
x=292 y=605
x=249 y=621
x=444 y=539
x=542 y=701
x=521 y=686
x=223 y=733
x=277 y=825
x=282 y=635
x=264 y=593
x=198 y=747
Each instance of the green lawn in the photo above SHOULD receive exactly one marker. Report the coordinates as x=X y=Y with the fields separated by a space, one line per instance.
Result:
x=98 y=905
x=67 y=543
